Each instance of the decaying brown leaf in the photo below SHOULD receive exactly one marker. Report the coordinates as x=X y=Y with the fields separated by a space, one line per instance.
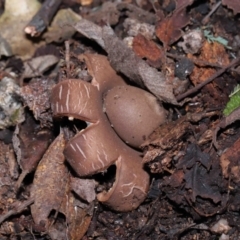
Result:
x=212 y=53
x=30 y=143
x=168 y=30
x=78 y=216
x=232 y=4
x=146 y=48
x=50 y=180
x=36 y=97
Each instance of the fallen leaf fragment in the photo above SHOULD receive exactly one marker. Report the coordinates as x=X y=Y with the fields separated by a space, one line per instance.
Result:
x=30 y=143
x=168 y=30
x=84 y=188
x=37 y=66
x=146 y=48
x=61 y=27
x=78 y=216
x=36 y=97
x=50 y=180
x=232 y=4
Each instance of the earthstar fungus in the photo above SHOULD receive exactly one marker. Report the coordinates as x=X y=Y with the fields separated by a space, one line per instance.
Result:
x=95 y=148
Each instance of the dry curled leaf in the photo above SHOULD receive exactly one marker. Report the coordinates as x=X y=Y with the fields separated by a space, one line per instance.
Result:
x=50 y=180
x=33 y=142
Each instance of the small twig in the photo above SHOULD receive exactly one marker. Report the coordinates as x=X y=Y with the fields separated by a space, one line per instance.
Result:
x=42 y=18
x=17 y=209
x=214 y=8
x=67 y=56
x=210 y=79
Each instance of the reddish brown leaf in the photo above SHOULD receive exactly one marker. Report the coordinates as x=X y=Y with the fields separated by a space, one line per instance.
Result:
x=49 y=185
x=232 y=4
x=169 y=29
x=145 y=48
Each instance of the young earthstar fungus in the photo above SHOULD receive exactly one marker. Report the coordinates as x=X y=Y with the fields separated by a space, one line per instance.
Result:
x=95 y=148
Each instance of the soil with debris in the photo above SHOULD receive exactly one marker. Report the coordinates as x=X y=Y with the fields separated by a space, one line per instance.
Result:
x=185 y=53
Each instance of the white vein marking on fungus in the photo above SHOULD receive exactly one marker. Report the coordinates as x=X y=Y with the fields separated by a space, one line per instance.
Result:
x=80 y=150
x=89 y=145
x=82 y=109
x=79 y=100
x=93 y=166
x=61 y=108
x=100 y=160
x=67 y=100
x=87 y=90
x=83 y=135
x=105 y=155
x=127 y=185
x=72 y=147
x=60 y=92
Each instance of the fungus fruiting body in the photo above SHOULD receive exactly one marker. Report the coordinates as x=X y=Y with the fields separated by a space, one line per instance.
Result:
x=95 y=148
x=133 y=113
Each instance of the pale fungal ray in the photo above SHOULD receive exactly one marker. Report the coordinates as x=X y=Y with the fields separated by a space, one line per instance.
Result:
x=100 y=160
x=80 y=150
x=87 y=90
x=60 y=92
x=73 y=147
x=83 y=135
x=105 y=155
x=61 y=108
x=93 y=166
x=67 y=100
x=82 y=109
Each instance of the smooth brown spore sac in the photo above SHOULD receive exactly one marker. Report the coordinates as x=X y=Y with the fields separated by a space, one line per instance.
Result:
x=133 y=113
